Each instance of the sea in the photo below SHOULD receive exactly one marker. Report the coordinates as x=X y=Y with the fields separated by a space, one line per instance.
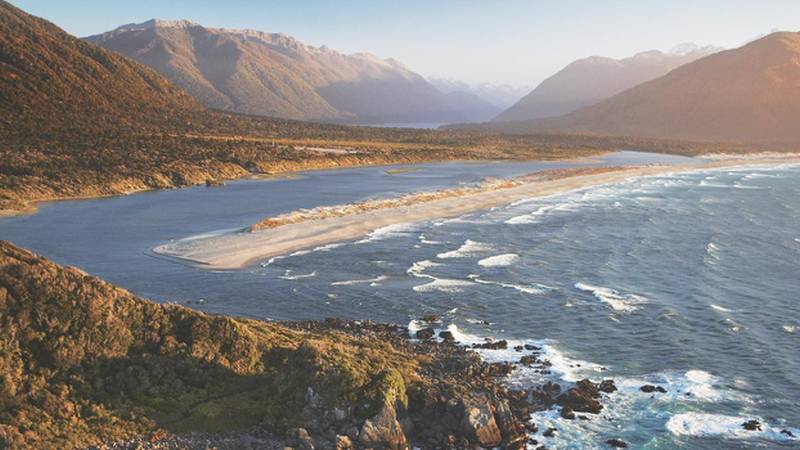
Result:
x=687 y=281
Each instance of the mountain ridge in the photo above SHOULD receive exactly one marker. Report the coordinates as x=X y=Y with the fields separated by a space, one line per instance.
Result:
x=750 y=94
x=589 y=80
x=276 y=75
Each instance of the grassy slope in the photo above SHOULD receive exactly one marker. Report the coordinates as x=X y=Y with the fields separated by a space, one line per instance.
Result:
x=82 y=362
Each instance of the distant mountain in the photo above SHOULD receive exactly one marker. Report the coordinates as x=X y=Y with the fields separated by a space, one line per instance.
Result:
x=590 y=80
x=51 y=80
x=276 y=75
x=499 y=95
x=750 y=94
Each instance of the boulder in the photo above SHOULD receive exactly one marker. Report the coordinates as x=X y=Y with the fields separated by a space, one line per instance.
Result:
x=479 y=425
x=648 y=388
x=617 y=443
x=447 y=336
x=752 y=425
x=383 y=431
x=578 y=400
x=300 y=439
x=426 y=333
x=607 y=386
x=343 y=443
x=567 y=413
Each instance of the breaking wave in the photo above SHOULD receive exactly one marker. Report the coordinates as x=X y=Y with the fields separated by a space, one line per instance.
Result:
x=504 y=260
x=617 y=301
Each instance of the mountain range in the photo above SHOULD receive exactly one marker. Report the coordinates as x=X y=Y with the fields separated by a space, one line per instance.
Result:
x=271 y=74
x=499 y=95
x=750 y=94
x=590 y=80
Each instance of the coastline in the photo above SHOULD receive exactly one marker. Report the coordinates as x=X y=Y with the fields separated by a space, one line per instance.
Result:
x=238 y=250
x=20 y=205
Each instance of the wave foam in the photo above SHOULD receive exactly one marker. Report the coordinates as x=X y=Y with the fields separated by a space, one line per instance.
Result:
x=288 y=275
x=616 y=300
x=536 y=289
x=504 y=260
x=720 y=308
x=371 y=281
x=729 y=427
x=387 y=232
x=418 y=267
x=443 y=285
x=469 y=248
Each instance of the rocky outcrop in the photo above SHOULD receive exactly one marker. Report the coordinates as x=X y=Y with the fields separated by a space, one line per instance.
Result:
x=83 y=363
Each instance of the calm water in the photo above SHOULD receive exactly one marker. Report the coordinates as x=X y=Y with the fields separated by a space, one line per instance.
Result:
x=689 y=281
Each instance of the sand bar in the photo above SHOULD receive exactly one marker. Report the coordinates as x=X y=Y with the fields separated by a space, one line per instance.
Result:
x=240 y=249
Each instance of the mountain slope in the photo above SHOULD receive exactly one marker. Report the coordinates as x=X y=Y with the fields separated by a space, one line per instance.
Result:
x=276 y=75
x=52 y=80
x=750 y=94
x=590 y=80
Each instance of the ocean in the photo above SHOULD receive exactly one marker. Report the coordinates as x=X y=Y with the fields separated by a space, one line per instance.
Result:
x=687 y=281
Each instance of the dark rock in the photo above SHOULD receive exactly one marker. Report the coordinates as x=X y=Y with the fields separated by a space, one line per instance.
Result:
x=607 y=386
x=425 y=334
x=550 y=432
x=551 y=389
x=430 y=318
x=648 y=388
x=752 y=425
x=530 y=347
x=567 y=413
x=580 y=401
x=518 y=348
x=617 y=443
x=447 y=336
x=493 y=345
x=588 y=387
x=528 y=360
x=500 y=369
x=787 y=433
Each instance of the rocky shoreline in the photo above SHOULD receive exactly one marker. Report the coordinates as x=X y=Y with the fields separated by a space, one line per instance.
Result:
x=88 y=365
x=464 y=405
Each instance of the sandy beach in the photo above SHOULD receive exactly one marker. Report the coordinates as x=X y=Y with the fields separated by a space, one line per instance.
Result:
x=238 y=250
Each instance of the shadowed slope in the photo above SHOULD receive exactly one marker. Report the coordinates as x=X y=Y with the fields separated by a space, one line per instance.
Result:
x=51 y=80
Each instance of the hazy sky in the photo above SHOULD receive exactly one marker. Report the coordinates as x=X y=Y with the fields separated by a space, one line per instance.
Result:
x=517 y=42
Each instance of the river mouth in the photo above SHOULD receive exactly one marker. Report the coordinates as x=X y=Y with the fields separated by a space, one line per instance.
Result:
x=685 y=281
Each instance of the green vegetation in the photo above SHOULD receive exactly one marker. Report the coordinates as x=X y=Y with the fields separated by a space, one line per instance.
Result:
x=83 y=362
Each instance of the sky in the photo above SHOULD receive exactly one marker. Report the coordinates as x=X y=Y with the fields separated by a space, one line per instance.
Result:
x=516 y=42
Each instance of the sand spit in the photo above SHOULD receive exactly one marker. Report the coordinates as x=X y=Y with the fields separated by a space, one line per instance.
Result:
x=321 y=226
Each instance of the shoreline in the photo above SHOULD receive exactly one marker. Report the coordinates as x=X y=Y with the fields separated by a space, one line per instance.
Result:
x=286 y=170
x=241 y=249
